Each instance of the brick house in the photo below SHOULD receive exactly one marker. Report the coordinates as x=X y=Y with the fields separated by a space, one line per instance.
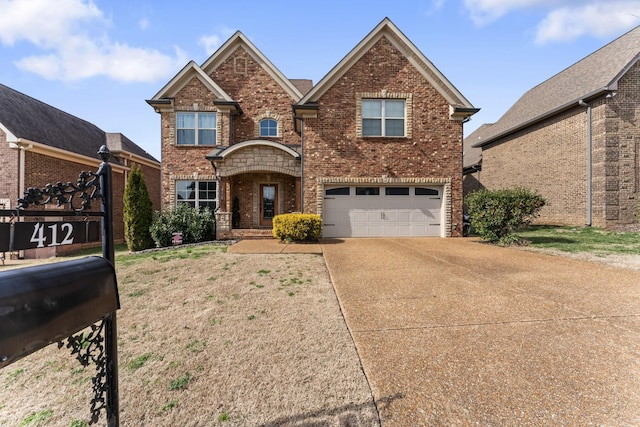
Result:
x=375 y=147
x=575 y=139
x=40 y=144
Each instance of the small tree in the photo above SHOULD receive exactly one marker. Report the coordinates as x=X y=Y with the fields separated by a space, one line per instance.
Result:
x=138 y=212
x=495 y=215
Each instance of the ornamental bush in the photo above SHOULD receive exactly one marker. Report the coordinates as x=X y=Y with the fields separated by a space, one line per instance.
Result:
x=496 y=214
x=195 y=224
x=137 y=212
x=297 y=227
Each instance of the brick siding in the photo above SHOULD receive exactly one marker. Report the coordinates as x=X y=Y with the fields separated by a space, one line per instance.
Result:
x=9 y=166
x=334 y=149
x=551 y=157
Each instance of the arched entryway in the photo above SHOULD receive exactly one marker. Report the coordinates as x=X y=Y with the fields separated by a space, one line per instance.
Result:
x=258 y=180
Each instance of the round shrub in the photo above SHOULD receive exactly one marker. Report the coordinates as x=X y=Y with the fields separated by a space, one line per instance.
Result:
x=195 y=224
x=496 y=214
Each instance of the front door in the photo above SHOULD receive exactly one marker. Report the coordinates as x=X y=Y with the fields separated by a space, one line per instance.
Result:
x=268 y=203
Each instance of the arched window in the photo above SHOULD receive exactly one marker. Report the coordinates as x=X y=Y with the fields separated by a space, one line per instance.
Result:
x=268 y=127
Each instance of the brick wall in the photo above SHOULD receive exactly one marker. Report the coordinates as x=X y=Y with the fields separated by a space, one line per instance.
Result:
x=153 y=180
x=334 y=149
x=9 y=170
x=259 y=96
x=622 y=145
x=247 y=189
x=471 y=182
x=41 y=170
x=551 y=157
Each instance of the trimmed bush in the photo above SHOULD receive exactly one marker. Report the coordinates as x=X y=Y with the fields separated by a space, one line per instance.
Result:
x=138 y=212
x=297 y=227
x=196 y=225
x=495 y=215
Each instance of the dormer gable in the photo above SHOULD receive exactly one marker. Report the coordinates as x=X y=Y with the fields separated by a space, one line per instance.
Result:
x=164 y=97
x=240 y=40
x=460 y=107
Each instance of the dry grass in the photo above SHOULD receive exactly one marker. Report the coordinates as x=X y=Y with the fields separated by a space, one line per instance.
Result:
x=210 y=338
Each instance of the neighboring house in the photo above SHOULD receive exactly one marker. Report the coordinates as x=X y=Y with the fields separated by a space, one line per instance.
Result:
x=575 y=139
x=472 y=160
x=40 y=144
x=375 y=147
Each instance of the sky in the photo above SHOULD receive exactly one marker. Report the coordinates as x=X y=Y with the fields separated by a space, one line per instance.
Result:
x=100 y=60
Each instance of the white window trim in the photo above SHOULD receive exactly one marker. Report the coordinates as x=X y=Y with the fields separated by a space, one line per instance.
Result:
x=196 y=113
x=268 y=115
x=260 y=128
x=174 y=190
x=384 y=95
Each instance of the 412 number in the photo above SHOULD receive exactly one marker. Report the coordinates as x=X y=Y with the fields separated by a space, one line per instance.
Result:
x=40 y=237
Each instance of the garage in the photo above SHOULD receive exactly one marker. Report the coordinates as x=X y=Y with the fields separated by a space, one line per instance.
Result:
x=382 y=211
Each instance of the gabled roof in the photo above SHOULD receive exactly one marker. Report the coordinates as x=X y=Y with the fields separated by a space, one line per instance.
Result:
x=387 y=29
x=593 y=76
x=183 y=77
x=239 y=40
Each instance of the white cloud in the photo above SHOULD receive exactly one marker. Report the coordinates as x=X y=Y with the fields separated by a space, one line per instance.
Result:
x=210 y=43
x=72 y=36
x=43 y=22
x=565 y=20
x=598 y=18
x=214 y=41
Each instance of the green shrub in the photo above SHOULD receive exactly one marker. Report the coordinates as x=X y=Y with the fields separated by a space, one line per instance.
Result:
x=196 y=225
x=138 y=212
x=495 y=215
x=297 y=227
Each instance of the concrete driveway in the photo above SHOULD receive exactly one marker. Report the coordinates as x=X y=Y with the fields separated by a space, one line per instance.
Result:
x=456 y=332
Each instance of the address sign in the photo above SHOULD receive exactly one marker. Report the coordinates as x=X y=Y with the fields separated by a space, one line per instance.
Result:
x=32 y=235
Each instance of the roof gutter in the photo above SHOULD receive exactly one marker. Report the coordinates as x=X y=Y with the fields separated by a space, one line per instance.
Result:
x=586 y=98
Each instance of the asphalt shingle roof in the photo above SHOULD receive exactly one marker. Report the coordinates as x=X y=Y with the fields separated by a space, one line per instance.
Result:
x=471 y=155
x=33 y=120
x=592 y=75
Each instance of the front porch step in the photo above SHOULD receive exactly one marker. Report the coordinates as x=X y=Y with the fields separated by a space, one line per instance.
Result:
x=252 y=233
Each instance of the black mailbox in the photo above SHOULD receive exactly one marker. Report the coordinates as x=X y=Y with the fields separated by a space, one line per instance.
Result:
x=44 y=304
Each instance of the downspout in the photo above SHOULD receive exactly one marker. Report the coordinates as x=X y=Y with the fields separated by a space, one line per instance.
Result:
x=582 y=103
x=302 y=165
x=230 y=130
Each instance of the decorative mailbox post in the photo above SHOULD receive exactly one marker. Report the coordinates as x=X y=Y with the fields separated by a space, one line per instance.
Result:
x=45 y=304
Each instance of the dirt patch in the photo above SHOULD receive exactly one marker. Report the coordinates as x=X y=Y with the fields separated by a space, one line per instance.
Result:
x=211 y=338
x=628 y=261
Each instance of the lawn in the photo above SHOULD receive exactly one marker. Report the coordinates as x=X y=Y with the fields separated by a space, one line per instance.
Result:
x=210 y=338
x=582 y=239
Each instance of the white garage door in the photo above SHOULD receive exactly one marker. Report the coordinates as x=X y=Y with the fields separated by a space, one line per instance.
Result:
x=382 y=211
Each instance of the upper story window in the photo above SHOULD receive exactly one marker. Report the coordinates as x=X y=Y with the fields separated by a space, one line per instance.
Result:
x=268 y=127
x=196 y=128
x=383 y=117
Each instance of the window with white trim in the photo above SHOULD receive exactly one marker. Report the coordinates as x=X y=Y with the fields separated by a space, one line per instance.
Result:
x=268 y=127
x=197 y=193
x=383 y=117
x=196 y=128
